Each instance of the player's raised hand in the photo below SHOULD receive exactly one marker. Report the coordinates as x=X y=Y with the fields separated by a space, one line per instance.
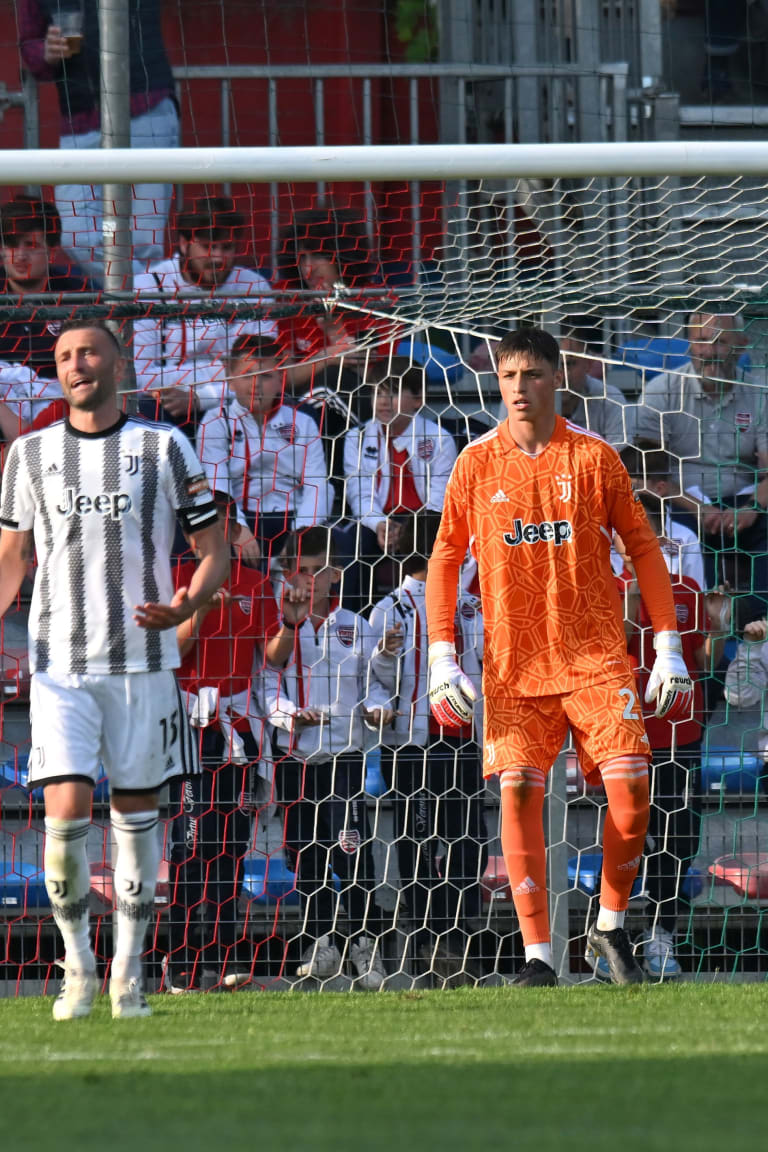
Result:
x=669 y=683
x=451 y=693
x=162 y=616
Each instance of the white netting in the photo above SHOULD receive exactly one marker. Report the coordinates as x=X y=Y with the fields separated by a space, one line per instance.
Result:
x=615 y=264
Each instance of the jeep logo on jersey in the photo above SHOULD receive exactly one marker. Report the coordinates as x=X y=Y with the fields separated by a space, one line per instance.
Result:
x=547 y=532
x=112 y=504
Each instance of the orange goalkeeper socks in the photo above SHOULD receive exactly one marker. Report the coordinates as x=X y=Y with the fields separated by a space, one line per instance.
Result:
x=522 y=842
x=625 y=780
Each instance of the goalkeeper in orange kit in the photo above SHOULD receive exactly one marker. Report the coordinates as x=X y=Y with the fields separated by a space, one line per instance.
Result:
x=536 y=501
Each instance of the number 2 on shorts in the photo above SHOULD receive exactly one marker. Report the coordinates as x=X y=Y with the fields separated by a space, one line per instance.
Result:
x=629 y=708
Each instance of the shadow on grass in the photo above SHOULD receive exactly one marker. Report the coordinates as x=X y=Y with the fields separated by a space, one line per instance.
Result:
x=572 y=1103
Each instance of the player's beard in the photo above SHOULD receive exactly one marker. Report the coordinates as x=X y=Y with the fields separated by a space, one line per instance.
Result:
x=101 y=394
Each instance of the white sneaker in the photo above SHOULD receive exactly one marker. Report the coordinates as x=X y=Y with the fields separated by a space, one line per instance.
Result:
x=236 y=978
x=321 y=959
x=659 y=958
x=367 y=963
x=128 y=1000
x=76 y=996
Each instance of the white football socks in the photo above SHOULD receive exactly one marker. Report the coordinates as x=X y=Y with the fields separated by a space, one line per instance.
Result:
x=541 y=951
x=68 y=883
x=608 y=919
x=138 y=859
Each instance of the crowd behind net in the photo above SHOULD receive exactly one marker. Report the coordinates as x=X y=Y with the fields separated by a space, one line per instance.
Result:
x=425 y=279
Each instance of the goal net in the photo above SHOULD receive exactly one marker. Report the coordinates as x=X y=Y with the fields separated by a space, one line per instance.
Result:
x=329 y=349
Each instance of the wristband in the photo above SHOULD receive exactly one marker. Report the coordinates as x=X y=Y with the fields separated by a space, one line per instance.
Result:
x=286 y=624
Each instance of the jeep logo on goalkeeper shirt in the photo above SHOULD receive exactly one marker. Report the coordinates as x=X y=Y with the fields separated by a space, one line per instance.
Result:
x=112 y=504
x=547 y=532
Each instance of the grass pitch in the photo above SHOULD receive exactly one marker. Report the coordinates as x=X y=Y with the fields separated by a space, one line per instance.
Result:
x=657 y=1069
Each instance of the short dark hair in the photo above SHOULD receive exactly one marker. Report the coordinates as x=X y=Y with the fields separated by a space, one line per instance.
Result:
x=418 y=539
x=216 y=217
x=260 y=347
x=76 y=325
x=534 y=342
x=315 y=541
x=24 y=215
x=410 y=379
x=337 y=233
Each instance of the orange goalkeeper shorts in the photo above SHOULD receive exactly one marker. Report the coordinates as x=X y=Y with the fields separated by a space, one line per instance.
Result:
x=605 y=720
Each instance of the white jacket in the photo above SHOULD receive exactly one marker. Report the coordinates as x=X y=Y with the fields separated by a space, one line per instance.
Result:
x=405 y=675
x=431 y=455
x=188 y=353
x=26 y=392
x=277 y=466
x=329 y=671
x=746 y=684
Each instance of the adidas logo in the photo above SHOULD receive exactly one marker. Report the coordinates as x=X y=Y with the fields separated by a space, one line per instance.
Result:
x=52 y=470
x=528 y=886
x=500 y=497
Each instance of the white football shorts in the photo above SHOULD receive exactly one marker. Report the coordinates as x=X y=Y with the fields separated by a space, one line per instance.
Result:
x=133 y=728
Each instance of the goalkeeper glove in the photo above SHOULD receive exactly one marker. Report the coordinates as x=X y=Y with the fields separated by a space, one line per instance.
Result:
x=451 y=693
x=669 y=683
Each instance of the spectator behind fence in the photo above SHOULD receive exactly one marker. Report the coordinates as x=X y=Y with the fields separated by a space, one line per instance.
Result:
x=74 y=65
x=268 y=455
x=434 y=772
x=396 y=464
x=322 y=248
x=675 y=814
x=223 y=646
x=746 y=682
x=102 y=642
x=655 y=475
x=710 y=416
x=180 y=361
x=30 y=233
x=318 y=703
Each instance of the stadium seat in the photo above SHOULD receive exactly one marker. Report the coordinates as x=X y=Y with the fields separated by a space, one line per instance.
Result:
x=730 y=770
x=102 y=887
x=746 y=872
x=267 y=879
x=22 y=888
x=15 y=773
x=495 y=882
x=584 y=873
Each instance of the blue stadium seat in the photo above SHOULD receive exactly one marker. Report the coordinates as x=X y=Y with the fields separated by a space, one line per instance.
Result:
x=730 y=770
x=662 y=354
x=15 y=774
x=584 y=873
x=268 y=879
x=23 y=887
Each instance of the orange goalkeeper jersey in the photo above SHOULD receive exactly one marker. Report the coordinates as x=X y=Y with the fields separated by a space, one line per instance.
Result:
x=540 y=529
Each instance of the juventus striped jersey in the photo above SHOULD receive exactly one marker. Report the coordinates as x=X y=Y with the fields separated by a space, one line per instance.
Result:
x=103 y=508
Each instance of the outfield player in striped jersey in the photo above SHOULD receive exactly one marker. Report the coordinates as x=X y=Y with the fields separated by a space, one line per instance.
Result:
x=100 y=492
x=537 y=500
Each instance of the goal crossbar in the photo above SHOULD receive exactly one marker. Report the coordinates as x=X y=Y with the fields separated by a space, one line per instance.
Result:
x=386 y=162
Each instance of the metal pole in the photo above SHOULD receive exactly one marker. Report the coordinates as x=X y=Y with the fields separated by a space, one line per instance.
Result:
x=116 y=133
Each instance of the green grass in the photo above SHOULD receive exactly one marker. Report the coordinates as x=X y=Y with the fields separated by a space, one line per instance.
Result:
x=658 y=1069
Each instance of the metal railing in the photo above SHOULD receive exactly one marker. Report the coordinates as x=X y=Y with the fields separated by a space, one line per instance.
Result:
x=536 y=103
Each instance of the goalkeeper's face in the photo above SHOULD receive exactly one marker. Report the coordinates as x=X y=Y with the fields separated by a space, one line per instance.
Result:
x=528 y=387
